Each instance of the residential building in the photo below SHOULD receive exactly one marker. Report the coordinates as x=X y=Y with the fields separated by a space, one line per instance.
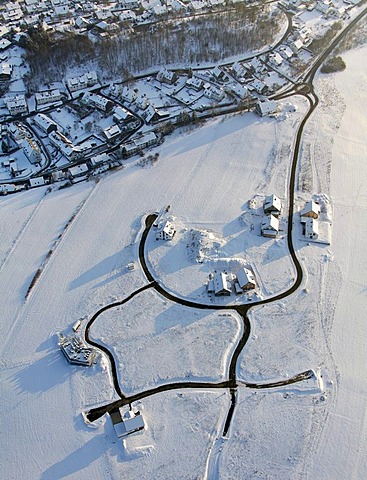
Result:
x=44 y=123
x=48 y=96
x=87 y=80
x=266 y=107
x=17 y=104
x=165 y=231
x=311 y=229
x=221 y=285
x=246 y=279
x=270 y=226
x=194 y=83
x=76 y=351
x=36 y=182
x=5 y=71
x=273 y=205
x=97 y=101
x=127 y=424
x=311 y=210
x=31 y=150
x=138 y=144
x=213 y=93
x=112 y=133
x=166 y=76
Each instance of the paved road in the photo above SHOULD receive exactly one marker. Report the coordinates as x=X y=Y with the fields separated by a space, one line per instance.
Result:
x=242 y=310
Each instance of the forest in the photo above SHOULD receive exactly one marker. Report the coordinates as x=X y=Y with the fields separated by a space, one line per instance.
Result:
x=212 y=37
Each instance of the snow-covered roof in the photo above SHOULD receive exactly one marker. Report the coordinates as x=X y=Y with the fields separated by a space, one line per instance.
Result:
x=311 y=207
x=245 y=277
x=221 y=283
x=270 y=223
x=273 y=203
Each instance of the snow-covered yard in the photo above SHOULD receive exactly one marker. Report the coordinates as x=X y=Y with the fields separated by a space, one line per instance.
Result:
x=207 y=176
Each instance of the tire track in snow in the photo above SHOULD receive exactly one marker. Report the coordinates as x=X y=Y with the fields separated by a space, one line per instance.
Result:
x=20 y=317
x=22 y=231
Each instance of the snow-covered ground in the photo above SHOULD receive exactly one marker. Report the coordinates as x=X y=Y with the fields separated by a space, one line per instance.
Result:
x=93 y=230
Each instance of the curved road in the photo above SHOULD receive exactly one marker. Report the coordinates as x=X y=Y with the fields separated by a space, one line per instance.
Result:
x=305 y=89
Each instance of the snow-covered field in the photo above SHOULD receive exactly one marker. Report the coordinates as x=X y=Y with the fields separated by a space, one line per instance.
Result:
x=92 y=231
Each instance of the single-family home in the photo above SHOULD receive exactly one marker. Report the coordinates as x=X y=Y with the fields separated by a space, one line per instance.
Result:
x=121 y=115
x=275 y=59
x=221 y=285
x=273 y=205
x=219 y=75
x=246 y=279
x=151 y=114
x=112 y=133
x=213 y=93
x=129 y=423
x=194 y=83
x=78 y=170
x=311 y=228
x=36 y=182
x=266 y=107
x=45 y=123
x=296 y=46
x=239 y=90
x=165 y=231
x=270 y=226
x=166 y=76
x=102 y=103
x=5 y=71
x=311 y=210
x=259 y=86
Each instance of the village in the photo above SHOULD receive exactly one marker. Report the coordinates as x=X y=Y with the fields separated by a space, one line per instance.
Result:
x=80 y=126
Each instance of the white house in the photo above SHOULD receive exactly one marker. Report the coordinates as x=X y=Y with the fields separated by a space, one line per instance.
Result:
x=138 y=144
x=273 y=205
x=98 y=101
x=194 y=83
x=213 y=93
x=275 y=59
x=86 y=80
x=311 y=228
x=112 y=132
x=166 y=76
x=270 y=226
x=48 y=96
x=238 y=90
x=45 y=123
x=78 y=170
x=120 y=114
x=17 y=104
x=311 y=210
x=259 y=86
x=246 y=279
x=165 y=231
x=131 y=422
x=5 y=71
x=36 y=181
x=221 y=285
x=296 y=46
x=267 y=107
